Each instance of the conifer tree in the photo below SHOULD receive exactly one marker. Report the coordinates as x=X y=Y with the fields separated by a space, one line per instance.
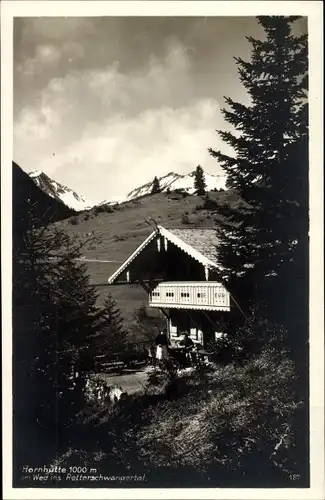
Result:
x=264 y=242
x=112 y=337
x=54 y=320
x=199 y=181
x=145 y=326
x=155 y=186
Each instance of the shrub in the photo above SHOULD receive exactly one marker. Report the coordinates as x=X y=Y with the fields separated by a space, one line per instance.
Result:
x=119 y=238
x=243 y=420
x=239 y=424
x=96 y=391
x=157 y=378
x=207 y=204
x=252 y=337
x=185 y=219
x=182 y=192
x=74 y=221
x=102 y=209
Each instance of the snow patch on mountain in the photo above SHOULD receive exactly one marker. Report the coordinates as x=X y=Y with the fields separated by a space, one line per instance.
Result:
x=171 y=181
x=35 y=173
x=175 y=181
x=114 y=200
x=60 y=192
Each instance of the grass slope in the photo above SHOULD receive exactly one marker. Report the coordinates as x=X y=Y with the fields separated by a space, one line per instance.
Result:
x=237 y=425
x=123 y=228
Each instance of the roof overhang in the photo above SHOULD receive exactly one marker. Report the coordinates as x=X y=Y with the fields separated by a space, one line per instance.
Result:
x=186 y=248
x=172 y=238
x=128 y=261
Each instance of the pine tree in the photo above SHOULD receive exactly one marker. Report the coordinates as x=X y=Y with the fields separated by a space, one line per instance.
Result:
x=199 y=181
x=155 y=186
x=146 y=327
x=263 y=245
x=78 y=317
x=112 y=338
x=54 y=320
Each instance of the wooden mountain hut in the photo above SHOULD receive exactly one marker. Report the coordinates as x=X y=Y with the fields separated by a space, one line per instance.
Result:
x=177 y=268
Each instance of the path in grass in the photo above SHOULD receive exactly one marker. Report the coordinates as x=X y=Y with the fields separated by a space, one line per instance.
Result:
x=131 y=381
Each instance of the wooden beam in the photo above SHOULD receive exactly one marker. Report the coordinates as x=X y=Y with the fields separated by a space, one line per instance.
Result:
x=147 y=289
x=144 y=286
x=191 y=317
x=209 y=319
x=164 y=312
x=117 y=283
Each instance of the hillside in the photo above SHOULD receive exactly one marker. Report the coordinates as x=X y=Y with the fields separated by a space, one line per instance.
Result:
x=167 y=183
x=123 y=227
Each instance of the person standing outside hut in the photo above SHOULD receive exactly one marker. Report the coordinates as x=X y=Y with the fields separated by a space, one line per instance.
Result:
x=162 y=343
x=151 y=352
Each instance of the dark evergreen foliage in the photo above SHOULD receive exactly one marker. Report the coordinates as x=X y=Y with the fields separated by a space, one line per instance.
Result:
x=199 y=181
x=111 y=339
x=54 y=321
x=155 y=186
x=146 y=327
x=265 y=246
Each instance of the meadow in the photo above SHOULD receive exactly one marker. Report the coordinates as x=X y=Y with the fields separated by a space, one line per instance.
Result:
x=121 y=228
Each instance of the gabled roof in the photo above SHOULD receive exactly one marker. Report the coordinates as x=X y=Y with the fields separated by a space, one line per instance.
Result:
x=132 y=256
x=199 y=243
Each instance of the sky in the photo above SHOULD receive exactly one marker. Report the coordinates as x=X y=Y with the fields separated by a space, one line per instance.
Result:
x=104 y=104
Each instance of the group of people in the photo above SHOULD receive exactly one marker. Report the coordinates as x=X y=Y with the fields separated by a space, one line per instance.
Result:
x=162 y=349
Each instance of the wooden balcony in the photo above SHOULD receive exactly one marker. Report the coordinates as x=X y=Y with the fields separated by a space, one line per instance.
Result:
x=201 y=295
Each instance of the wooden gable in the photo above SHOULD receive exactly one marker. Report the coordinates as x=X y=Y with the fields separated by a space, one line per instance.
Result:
x=171 y=254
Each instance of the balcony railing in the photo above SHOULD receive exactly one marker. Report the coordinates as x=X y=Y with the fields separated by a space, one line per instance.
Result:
x=190 y=295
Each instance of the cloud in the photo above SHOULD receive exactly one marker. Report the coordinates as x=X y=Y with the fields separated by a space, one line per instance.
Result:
x=47 y=58
x=45 y=54
x=122 y=153
x=36 y=125
x=104 y=132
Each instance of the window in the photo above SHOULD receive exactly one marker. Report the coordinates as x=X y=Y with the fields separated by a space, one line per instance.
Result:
x=185 y=294
x=155 y=294
x=169 y=294
x=201 y=295
x=220 y=296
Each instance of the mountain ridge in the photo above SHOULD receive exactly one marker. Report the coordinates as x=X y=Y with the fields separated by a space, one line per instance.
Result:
x=171 y=181
x=27 y=197
x=59 y=191
x=174 y=181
